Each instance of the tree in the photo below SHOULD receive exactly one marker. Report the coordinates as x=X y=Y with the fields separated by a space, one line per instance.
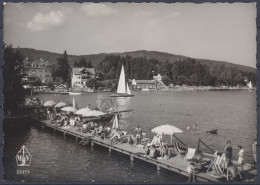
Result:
x=76 y=64
x=90 y=64
x=13 y=90
x=63 y=70
x=82 y=62
x=92 y=83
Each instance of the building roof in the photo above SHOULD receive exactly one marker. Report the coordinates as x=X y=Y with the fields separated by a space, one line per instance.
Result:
x=80 y=70
x=145 y=81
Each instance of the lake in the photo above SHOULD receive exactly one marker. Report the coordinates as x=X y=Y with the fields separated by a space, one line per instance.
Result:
x=54 y=158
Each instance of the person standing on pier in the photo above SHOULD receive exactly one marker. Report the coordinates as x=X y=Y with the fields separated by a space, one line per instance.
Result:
x=138 y=136
x=228 y=150
x=240 y=161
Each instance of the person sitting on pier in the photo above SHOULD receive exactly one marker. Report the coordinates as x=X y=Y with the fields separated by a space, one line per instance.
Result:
x=100 y=129
x=154 y=153
x=116 y=137
x=72 y=121
x=156 y=140
x=95 y=131
x=66 y=122
x=233 y=173
x=91 y=126
x=131 y=139
x=193 y=169
x=164 y=151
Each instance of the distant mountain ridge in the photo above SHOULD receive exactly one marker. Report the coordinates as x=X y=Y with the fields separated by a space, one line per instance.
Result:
x=97 y=58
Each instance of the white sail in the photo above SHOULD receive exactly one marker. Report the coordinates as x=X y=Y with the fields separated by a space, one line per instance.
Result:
x=127 y=89
x=74 y=104
x=115 y=122
x=121 y=84
x=250 y=85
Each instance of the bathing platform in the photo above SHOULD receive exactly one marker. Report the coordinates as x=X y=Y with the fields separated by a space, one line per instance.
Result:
x=176 y=164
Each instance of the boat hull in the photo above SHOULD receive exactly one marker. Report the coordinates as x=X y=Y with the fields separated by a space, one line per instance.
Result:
x=75 y=93
x=122 y=95
x=215 y=131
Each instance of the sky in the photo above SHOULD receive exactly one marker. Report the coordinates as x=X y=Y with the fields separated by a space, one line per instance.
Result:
x=221 y=31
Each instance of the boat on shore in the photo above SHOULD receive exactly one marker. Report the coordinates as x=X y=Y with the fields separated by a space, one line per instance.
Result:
x=75 y=93
x=145 y=90
x=122 y=88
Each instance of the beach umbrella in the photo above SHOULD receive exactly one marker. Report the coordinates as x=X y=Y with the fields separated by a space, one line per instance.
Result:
x=167 y=129
x=61 y=104
x=93 y=113
x=69 y=109
x=49 y=104
x=83 y=111
x=115 y=123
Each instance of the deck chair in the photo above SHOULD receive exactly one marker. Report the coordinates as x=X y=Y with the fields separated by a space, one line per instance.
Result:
x=190 y=153
x=179 y=149
x=213 y=162
x=219 y=166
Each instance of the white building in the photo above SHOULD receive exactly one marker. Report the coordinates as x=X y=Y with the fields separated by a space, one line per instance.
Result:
x=81 y=76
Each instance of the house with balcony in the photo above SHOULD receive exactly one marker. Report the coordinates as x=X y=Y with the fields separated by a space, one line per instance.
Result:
x=37 y=68
x=81 y=76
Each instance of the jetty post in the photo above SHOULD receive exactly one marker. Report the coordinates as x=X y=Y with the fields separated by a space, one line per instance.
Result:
x=131 y=157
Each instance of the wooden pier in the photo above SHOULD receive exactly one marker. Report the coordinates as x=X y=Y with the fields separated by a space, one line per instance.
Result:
x=176 y=164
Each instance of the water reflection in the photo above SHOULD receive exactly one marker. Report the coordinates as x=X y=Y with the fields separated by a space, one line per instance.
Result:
x=122 y=103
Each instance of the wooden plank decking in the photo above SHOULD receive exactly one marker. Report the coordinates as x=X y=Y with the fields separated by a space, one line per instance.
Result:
x=175 y=164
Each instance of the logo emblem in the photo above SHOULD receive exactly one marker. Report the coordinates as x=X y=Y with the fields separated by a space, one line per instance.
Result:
x=23 y=157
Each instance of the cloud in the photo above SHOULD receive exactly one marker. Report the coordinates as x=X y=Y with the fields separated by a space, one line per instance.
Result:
x=98 y=10
x=143 y=14
x=174 y=14
x=46 y=21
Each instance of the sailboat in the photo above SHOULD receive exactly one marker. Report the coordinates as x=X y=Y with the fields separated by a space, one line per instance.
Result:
x=250 y=86
x=122 y=88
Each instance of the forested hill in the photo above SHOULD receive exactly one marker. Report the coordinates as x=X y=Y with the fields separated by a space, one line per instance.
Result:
x=140 y=64
x=97 y=58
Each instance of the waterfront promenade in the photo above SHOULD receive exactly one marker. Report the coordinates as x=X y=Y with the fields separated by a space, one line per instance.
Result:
x=175 y=164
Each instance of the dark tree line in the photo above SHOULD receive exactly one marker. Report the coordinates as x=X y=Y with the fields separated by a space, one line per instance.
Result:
x=13 y=90
x=187 y=71
x=83 y=63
